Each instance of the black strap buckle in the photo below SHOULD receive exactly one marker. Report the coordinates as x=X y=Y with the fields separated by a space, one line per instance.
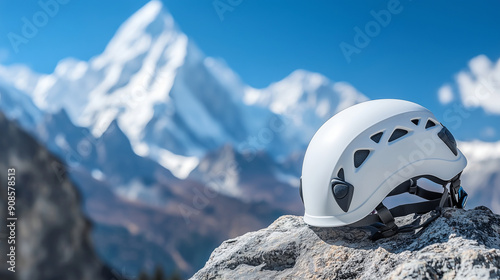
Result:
x=413 y=187
x=385 y=231
x=388 y=227
x=455 y=184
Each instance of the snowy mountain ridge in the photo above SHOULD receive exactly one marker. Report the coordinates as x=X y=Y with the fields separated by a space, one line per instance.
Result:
x=173 y=103
x=482 y=173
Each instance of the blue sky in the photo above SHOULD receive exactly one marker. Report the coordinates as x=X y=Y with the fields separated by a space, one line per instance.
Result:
x=422 y=47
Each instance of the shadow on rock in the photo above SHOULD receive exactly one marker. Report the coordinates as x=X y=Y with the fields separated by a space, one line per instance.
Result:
x=479 y=225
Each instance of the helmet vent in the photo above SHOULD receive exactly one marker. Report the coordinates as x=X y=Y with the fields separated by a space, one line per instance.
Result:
x=415 y=121
x=340 y=174
x=376 y=137
x=360 y=157
x=429 y=124
x=398 y=133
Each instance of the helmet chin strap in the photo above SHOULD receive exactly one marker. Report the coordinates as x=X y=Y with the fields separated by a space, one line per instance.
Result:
x=382 y=224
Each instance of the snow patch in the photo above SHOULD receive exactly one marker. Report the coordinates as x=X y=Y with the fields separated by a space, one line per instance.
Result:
x=97 y=174
x=141 y=149
x=180 y=166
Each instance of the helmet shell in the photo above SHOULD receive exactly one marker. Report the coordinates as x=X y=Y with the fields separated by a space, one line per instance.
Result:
x=408 y=147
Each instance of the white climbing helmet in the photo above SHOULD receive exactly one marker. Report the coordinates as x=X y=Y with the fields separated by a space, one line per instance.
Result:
x=373 y=150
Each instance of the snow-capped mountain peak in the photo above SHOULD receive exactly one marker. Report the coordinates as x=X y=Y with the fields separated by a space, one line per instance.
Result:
x=303 y=91
x=136 y=70
x=150 y=21
x=306 y=100
x=19 y=76
x=173 y=103
x=282 y=96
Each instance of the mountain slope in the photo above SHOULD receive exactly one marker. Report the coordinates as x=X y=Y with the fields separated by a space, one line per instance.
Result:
x=178 y=232
x=16 y=105
x=140 y=208
x=250 y=178
x=53 y=236
x=481 y=177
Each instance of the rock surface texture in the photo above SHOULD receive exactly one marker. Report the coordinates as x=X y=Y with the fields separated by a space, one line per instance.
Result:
x=461 y=244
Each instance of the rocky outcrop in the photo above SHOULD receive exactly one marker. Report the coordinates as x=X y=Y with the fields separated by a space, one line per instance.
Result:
x=461 y=244
x=52 y=234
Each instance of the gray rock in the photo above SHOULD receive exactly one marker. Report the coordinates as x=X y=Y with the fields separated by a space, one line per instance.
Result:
x=460 y=244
